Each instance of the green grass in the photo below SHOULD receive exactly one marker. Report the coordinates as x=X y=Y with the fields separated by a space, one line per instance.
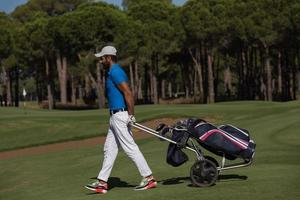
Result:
x=21 y=128
x=61 y=175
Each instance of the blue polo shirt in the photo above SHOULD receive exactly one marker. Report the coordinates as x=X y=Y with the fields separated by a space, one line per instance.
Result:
x=116 y=76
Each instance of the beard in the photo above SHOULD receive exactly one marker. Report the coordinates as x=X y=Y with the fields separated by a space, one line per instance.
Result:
x=104 y=66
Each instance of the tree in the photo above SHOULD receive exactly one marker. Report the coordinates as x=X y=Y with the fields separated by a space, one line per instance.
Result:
x=158 y=38
x=204 y=23
x=35 y=8
x=41 y=46
x=106 y=24
x=6 y=58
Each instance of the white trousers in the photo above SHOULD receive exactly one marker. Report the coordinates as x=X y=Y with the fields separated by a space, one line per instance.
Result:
x=120 y=135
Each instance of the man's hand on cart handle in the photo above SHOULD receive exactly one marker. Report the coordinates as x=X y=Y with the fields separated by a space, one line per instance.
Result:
x=131 y=120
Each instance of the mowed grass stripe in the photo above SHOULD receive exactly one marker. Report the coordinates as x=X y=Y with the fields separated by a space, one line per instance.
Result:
x=37 y=127
x=62 y=175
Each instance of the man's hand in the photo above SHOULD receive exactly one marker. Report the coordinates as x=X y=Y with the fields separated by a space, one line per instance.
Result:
x=131 y=119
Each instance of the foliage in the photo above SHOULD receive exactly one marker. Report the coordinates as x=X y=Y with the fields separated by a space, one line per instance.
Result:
x=156 y=35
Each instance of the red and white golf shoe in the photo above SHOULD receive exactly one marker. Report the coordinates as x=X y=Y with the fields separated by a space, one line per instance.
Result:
x=98 y=187
x=146 y=183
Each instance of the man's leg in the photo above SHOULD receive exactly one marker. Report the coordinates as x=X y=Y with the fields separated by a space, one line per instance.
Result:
x=125 y=138
x=110 y=154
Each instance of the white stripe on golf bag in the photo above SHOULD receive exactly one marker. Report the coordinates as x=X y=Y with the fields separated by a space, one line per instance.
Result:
x=232 y=138
x=239 y=130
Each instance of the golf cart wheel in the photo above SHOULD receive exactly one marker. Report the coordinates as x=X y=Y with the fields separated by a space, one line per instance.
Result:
x=204 y=173
x=212 y=159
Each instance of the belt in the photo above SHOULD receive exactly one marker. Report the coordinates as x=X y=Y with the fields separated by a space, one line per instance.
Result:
x=111 y=112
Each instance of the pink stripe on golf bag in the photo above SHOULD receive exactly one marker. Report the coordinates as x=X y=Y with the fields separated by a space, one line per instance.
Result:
x=233 y=139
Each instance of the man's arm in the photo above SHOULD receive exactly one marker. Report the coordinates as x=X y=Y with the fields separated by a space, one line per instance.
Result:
x=124 y=87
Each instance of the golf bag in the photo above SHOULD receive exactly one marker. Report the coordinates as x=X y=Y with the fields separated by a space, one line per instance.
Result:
x=225 y=140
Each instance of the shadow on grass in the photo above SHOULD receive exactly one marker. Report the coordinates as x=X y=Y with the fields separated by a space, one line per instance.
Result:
x=174 y=181
x=221 y=178
x=232 y=177
x=117 y=182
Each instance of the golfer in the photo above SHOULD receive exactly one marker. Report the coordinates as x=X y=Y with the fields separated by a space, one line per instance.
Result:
x=121 y=110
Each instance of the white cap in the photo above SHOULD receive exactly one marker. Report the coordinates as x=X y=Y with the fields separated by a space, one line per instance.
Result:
x=107 y=50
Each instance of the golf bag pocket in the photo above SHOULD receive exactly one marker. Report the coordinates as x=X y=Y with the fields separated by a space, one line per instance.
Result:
x=175 y=156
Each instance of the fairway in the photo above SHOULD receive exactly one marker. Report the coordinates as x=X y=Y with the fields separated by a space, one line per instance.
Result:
x=62 y=175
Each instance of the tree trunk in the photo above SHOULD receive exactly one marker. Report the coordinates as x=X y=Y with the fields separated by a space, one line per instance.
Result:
x=211 y=93
x=131 y=79
x=39 y=90
x=16 y=99
x=2 y=89
x=268 y=73
x=251 y=72
x=137 y=85
x=177 y=89
x=64 y=80
x=256 y=74
x=151 y=85
x=187 y=91
x=291 y=85
x=195 y=88
x=140 y=92
x=155 y=93
x=163 y=92
x=216 y=71
x=228 y=81
x=263 y=89
x=73 y=86
x=279 y=79
x=170 y=89
x=61 y=63
x=80 y=93
x=49 y=89
x=244 y=89
x=298 y=81
x=95 y=86
x=87 y=86
x=298 y=69
x=154 y=72
x=198 y=69
x=8 y=89
x=100 y=88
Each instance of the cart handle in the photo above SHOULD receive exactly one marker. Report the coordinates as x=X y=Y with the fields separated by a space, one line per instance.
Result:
x=151 y=131
x=155 y=133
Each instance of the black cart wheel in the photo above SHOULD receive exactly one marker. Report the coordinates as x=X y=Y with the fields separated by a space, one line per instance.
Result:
x=212 y=159
x=204 y=173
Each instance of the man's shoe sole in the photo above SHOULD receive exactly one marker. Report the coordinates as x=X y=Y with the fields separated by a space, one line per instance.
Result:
x=97 y=190
x=147 y=187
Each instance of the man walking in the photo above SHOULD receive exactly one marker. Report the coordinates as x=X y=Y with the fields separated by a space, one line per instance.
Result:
x=121 y=110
